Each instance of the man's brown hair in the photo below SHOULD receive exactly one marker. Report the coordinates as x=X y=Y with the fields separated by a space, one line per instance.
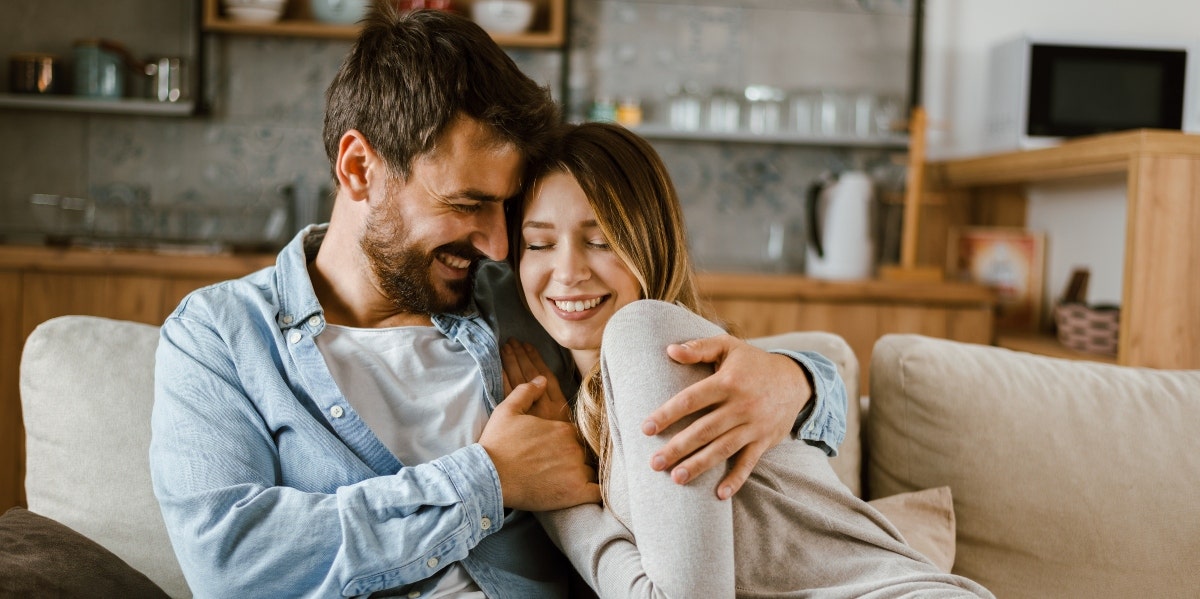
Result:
x=410 y=73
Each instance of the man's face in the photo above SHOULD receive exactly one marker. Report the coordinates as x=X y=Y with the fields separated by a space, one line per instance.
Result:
x=425 y=236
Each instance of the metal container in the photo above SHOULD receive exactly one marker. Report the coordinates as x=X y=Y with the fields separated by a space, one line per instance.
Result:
x=36 y=73
x=100 y=67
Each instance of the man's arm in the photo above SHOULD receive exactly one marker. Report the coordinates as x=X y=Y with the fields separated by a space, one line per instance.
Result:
x=260 y=499
x=754 y=397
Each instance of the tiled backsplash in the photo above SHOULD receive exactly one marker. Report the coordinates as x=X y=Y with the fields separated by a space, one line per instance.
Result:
x=261 y=144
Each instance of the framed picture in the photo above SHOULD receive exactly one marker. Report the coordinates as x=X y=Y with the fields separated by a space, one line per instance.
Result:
x=1011 y=260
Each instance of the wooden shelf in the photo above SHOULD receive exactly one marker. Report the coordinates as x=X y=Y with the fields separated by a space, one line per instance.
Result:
x=1160 y=291
x=1047 y=345
x=548 y=29
x=665 y=132
x=1098 y=155
x=93 y=105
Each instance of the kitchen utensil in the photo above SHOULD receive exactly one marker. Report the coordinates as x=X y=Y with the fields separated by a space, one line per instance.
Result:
x=35 y=73
x=254 y=11
x=166 y=79
x=100 y=68
x=342 y=12
x=503 y=16
x=765 y=104
x=724 y=111
x=838 y=220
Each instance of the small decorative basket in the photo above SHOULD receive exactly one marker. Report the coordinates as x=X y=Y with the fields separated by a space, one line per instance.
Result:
x=1089 y=329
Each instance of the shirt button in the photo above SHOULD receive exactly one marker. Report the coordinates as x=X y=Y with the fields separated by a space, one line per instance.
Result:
x=314 y=320
x=295 y=336
x=336 y=411
x=485 y=523
x=288 y=319
x=432 y=563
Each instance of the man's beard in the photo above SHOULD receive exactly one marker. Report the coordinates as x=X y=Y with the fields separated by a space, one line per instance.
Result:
x=404 y=270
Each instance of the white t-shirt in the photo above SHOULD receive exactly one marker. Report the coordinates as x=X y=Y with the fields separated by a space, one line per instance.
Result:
x=419 y=392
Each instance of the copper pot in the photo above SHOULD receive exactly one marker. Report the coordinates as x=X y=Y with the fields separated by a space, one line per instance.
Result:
x=36 y=73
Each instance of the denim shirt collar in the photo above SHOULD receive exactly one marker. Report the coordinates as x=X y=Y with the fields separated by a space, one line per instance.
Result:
x=298 y=304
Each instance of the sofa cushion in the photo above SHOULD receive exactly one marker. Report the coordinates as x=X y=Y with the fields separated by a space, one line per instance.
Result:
x=926 y=521
x=1070 y=478
x=43 y=558
x=848 y=463
x=87 y=388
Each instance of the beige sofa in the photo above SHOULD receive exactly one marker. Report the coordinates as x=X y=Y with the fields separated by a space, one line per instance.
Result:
x=1069 y=479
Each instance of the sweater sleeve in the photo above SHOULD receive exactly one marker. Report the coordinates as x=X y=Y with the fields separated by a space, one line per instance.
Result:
x=677 y=540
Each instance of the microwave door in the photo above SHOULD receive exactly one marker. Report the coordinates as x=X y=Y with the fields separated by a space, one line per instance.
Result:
x=1078 y=90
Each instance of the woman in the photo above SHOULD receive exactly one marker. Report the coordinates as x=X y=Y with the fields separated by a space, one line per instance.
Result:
x=600 y=229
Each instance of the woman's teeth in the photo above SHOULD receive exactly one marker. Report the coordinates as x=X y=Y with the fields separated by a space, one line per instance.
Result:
x=454 y=261
x=578 y=306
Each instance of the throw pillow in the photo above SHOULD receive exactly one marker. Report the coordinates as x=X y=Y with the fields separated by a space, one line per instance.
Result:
x=926 y=520
x=41 y=557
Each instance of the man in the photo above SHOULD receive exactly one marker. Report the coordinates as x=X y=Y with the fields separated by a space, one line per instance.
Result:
x=333 y=425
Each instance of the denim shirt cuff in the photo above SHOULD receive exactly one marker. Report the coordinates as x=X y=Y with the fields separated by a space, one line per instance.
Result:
x=472 y=472
x=822 y=422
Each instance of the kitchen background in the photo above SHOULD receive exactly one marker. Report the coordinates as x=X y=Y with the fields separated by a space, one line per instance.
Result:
x=263 y=131
x=259 y=144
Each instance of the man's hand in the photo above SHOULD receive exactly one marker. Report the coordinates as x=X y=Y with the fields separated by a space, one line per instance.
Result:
x=752 y=399
x=540 y=462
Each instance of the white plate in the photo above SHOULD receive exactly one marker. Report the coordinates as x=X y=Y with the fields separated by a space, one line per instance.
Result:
x=247 y=14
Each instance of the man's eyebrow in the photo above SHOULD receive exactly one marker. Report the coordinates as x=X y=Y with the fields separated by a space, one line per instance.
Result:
x=475 y=196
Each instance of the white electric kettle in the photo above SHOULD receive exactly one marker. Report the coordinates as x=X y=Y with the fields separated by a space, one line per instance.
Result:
x=839 y=227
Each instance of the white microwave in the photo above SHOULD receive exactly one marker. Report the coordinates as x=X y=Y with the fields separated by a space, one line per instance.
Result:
x=1042 y=90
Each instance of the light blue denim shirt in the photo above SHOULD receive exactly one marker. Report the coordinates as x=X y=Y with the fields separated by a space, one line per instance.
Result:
x=272 y=486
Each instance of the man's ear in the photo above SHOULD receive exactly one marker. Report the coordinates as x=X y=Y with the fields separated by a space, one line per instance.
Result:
x=355 y=160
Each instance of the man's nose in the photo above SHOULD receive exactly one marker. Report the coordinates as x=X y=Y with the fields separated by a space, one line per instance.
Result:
x=491 y=238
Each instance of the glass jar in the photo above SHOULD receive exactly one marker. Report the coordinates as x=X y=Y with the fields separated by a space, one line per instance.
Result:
x=724 y=111
x=764 y=106
x=684 y=110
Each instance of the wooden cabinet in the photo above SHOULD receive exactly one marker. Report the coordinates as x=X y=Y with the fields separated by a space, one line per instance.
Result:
x=37 y=284
x=859 y=311
x=548 y=30
x=1160 y=292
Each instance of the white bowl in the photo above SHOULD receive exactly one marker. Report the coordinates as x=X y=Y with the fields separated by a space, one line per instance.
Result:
x=503 y=16
x=254 y=14
x=272 y=4
x=342 y=12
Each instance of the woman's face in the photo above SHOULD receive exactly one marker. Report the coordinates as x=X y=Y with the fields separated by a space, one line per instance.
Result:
x=573 y=281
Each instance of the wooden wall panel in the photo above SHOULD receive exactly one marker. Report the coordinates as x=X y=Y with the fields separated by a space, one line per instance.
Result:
x=12 y=434
x=756 y=318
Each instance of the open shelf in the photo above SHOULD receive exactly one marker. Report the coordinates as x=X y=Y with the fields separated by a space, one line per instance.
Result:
x=79 y=104
x=548 y=29
x=1047 y=345
x=665 y=132
x=1160 y=292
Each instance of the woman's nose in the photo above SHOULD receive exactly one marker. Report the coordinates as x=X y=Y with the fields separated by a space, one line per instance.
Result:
x=570 y=266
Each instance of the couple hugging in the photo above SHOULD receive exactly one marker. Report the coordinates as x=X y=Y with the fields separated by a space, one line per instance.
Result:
x=479 y=366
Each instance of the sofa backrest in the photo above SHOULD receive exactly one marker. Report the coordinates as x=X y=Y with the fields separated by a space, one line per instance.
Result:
x=87 y=388
x=1069 y=478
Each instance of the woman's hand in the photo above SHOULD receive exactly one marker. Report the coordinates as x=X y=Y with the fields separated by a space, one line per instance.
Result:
x=521 y=364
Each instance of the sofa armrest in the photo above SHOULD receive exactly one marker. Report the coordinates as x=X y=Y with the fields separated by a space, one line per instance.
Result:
x=848 y=463
x=87 y=389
